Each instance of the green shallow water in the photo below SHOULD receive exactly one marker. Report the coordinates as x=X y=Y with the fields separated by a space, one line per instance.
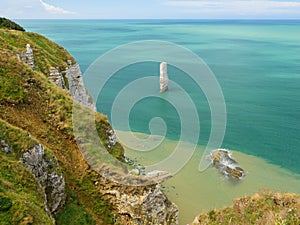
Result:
x=195 y=192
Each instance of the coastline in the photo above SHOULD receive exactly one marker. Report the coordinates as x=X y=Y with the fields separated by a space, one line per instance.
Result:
x=203 y=191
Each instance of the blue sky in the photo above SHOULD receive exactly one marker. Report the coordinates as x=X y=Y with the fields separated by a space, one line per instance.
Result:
x=150 y=9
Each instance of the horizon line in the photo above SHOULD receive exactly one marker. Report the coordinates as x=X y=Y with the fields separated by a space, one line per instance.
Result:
x=266 y=19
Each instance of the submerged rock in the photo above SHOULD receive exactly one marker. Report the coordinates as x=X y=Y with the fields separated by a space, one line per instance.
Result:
x=222 y=160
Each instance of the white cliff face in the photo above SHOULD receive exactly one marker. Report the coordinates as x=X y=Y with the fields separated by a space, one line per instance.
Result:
x=57 y=78
x=164 y=79
x=73 y=75
x=76 y=87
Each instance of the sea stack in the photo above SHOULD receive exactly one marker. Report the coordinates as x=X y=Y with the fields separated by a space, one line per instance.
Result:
x=164 y=79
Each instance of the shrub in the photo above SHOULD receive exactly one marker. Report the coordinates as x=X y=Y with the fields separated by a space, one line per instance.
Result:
x=6 y=23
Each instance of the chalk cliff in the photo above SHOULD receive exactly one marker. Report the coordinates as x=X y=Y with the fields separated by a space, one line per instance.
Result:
x=40 y=109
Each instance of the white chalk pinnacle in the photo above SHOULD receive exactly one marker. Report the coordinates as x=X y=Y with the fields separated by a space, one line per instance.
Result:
x=164 y=79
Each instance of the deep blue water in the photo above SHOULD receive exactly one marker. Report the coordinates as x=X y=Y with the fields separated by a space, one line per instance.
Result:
x=257 y=64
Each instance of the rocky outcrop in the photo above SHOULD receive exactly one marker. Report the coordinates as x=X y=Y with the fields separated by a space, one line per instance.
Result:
x=158 y=175
x=5 y=147
x=76 y=86
x=111 y=137
x=138 y=198
x=27 y=57
x=73 y=84
x=72 y=75
x=49 y=178
x=223 y=161
x=163 y=78
x=143 y=205
x=57 y=77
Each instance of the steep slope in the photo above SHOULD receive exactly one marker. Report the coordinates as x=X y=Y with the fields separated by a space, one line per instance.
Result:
x=31 y=102
x=36 y=89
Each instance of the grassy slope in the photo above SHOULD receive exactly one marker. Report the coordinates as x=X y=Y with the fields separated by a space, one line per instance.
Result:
x=29 y=101
x=262 y=208
x=17 y=185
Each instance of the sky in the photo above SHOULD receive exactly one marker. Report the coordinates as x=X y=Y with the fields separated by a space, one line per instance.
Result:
x=150 y=9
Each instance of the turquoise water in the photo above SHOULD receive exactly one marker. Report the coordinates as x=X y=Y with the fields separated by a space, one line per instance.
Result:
x=257 y=64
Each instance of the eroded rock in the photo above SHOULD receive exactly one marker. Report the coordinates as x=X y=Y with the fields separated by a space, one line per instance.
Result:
x=77 y=88
x=159 y=175
x=48 y=176
x=5 y=147
x=139 y=198
x=163 y=78
x=150 y=206
x=27 y=57
x=57 y=77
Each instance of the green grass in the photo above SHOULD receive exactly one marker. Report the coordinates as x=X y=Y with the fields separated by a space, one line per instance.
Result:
x=74 y=213
x=29 y=101
x=20 y=196
x=263 y=208
x=12 y=88
x=17 y=182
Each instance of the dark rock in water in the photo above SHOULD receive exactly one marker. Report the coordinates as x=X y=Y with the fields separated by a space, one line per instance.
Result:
x=222 y=160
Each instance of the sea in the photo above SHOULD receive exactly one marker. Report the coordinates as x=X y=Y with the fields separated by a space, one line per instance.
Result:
x=256 y=64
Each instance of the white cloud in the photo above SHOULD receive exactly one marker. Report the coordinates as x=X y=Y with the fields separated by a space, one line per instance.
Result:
x=237 y=3
x=238 y=8
x=54 y=9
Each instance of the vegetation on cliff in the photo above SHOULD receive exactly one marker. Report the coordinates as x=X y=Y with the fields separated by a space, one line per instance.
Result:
x=31 y=104
x=6 y=23
x=263 y=208
x=21 y=199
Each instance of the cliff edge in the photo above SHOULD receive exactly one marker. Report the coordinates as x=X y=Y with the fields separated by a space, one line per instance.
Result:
x=44 y=177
